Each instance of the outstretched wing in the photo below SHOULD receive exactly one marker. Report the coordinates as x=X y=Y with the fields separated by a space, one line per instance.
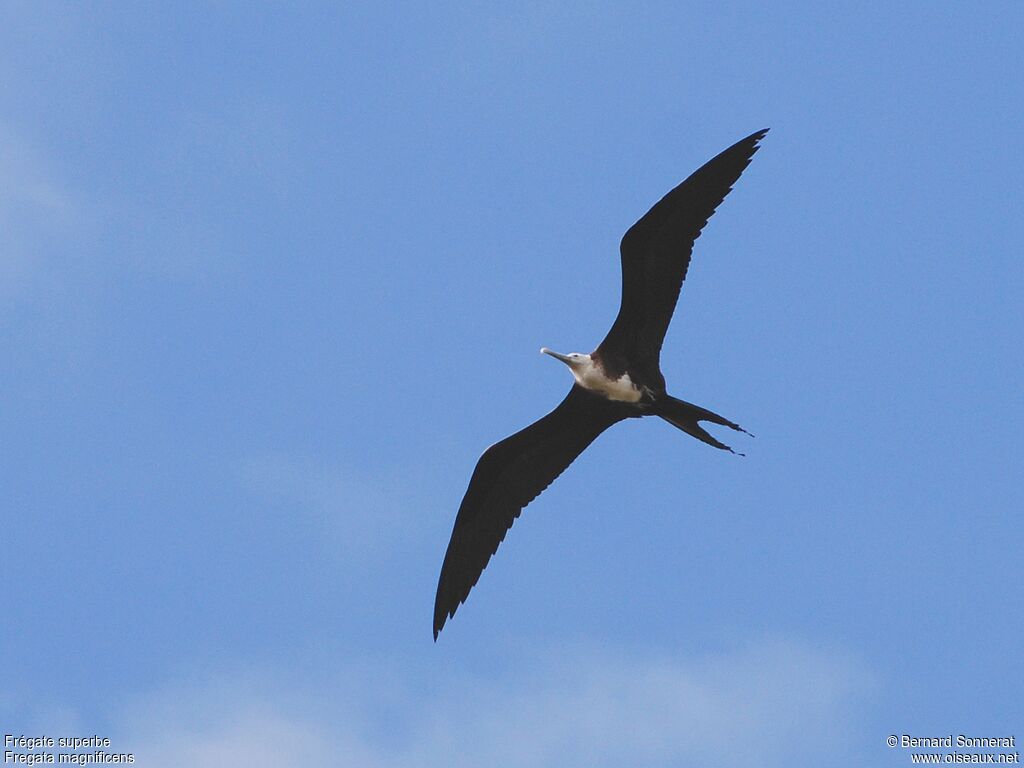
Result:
x=656 y=253
x=510 y=475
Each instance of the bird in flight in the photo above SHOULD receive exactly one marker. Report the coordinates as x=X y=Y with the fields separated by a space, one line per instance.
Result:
x=621 y=379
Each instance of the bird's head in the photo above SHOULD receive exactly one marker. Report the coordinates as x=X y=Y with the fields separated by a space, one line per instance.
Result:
x=574 y=360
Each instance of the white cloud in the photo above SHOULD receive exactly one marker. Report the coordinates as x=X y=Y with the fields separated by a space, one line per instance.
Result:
x=250 y=737
x=768 y=704
x=33 y=211
x=356 y=518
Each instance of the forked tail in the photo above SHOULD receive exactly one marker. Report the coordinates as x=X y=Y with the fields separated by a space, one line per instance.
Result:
x=685 y=416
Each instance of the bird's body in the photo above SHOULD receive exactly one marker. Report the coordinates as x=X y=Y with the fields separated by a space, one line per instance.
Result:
x=620 y=379
x=592 y=376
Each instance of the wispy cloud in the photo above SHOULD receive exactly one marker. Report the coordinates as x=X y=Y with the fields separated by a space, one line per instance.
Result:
x=768 y=704
x=357 y=517
x=34 y=211
x=249 y=735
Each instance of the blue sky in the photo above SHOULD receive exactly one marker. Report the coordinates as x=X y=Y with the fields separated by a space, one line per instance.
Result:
x=272 y=277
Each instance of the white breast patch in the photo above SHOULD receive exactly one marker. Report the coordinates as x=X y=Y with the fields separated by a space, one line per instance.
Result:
x=590 y=376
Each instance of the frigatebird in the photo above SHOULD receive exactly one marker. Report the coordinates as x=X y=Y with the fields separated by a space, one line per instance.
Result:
x=621 y=379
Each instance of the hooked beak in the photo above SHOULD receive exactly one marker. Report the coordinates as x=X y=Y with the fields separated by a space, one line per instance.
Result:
x=563 y=358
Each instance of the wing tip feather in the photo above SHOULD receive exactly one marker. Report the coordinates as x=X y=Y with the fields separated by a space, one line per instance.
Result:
x=757 y=136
